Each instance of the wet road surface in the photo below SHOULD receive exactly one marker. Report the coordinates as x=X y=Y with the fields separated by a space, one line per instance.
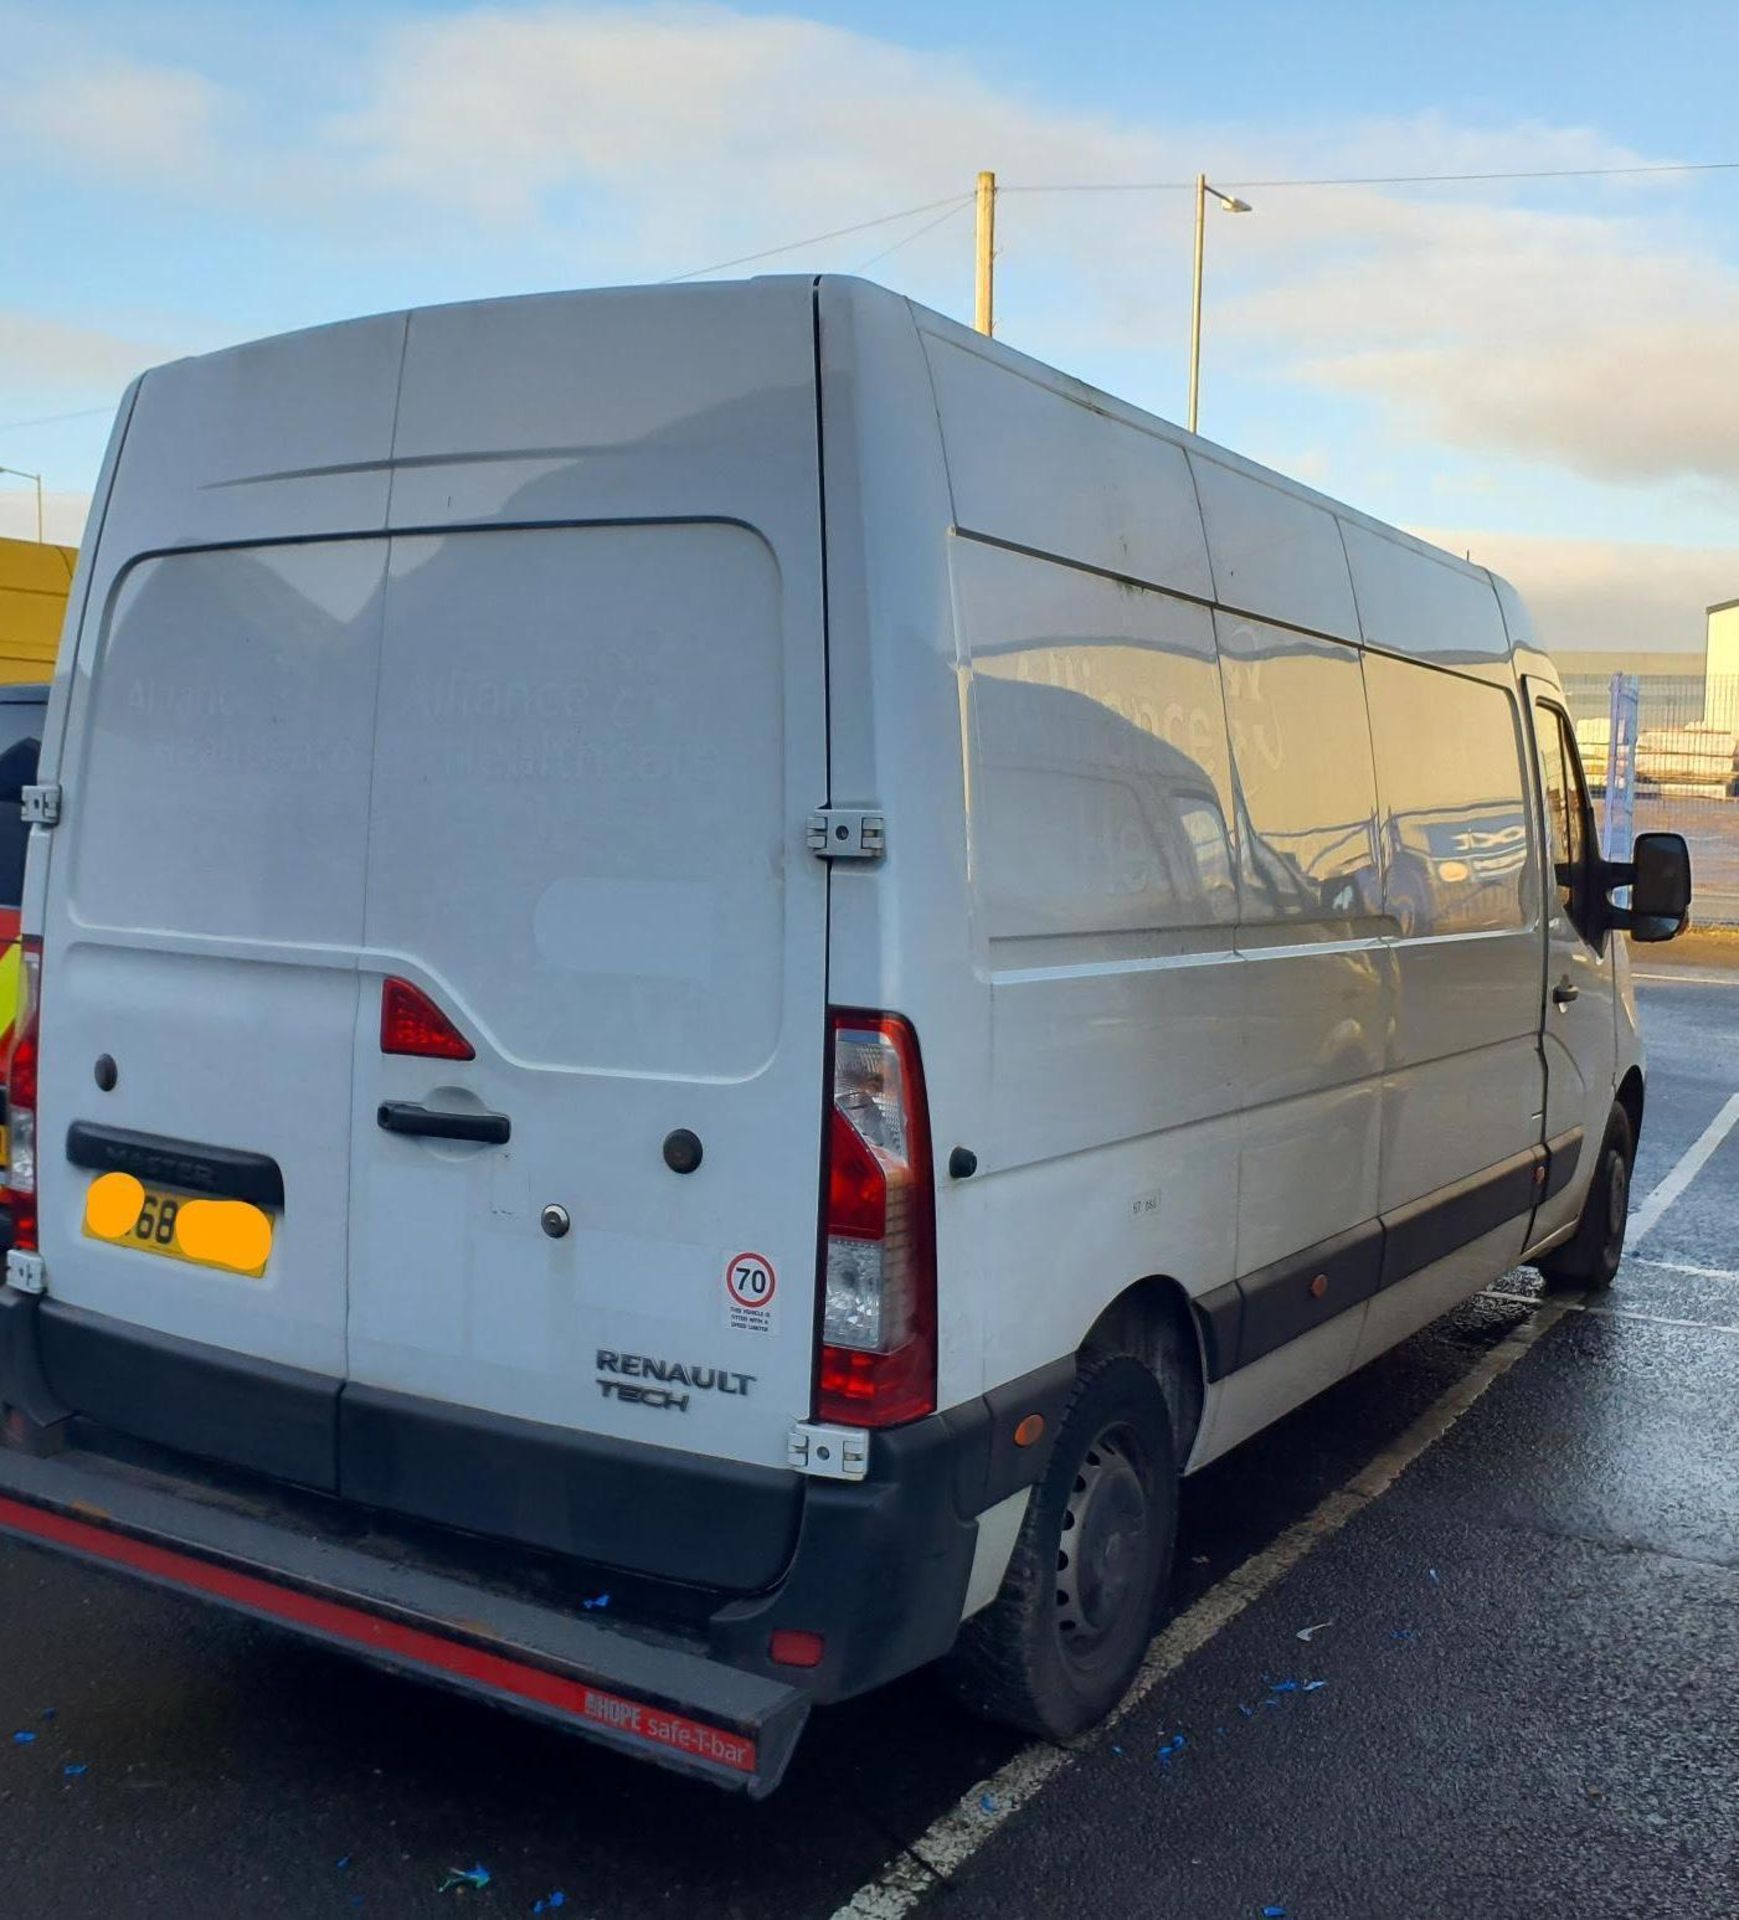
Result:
x=1527 y=1703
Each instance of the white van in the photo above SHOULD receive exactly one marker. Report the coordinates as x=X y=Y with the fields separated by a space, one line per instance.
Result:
x=718 y=969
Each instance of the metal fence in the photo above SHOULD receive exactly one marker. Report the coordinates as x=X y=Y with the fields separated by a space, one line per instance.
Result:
x=1686 y=755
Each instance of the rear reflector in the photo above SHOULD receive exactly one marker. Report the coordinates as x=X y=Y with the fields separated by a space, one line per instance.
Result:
x=878 y=1278
x=410 y=1022
x=792 y=1647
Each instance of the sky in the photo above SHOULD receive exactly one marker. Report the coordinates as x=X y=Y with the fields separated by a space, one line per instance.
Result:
x=1541 y=373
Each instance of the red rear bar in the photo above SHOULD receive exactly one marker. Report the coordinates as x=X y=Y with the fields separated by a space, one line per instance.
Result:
x=372 y=1633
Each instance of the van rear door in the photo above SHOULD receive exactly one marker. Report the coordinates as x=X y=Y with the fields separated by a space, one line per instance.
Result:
x=585 y=849
x=200 y=988
x=600 y=738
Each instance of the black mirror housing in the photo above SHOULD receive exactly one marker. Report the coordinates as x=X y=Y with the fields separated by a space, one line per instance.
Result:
x=1658 y=874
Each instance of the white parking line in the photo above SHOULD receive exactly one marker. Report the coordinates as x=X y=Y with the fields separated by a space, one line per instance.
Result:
x=951 y=1839
x=1612 y=1313
x=955 y=1836
x=1681 y=1266
x=1686 y=977
x=1688 y=1165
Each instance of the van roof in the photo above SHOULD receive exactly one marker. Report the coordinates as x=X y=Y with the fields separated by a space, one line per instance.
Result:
x=1513 y=617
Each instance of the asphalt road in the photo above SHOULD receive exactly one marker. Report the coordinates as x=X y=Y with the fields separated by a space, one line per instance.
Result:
x=1527 y=1708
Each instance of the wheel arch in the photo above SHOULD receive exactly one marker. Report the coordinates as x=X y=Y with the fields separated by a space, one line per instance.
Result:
x=1630 y=1098
x=1154 y=1320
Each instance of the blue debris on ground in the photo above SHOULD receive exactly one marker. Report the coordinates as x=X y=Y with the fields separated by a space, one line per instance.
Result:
x=460 y=1878
x=550 y=1902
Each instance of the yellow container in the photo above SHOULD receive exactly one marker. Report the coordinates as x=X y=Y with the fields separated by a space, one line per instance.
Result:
x=34 y=582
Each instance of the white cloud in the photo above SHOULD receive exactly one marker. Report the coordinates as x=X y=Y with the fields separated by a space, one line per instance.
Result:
x=634 y=141
x=1606 y=595
x=676 y=134
x=1596 y=343
x=124 y=118
x=38 y=355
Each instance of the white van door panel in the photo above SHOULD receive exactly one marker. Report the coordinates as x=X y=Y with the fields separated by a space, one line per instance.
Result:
x=203 y=925
x=1319 y=1005
x=596 y=752
x=1579 y=1038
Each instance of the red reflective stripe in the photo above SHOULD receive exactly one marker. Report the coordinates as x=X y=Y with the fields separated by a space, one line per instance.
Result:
x=635 y=1718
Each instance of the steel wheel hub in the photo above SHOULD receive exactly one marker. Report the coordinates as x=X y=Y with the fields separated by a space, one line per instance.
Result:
x=1617 y=1199
x=1102 y=1555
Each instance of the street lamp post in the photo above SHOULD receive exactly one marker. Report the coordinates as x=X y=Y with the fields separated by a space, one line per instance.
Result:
x=18 y=473
x=1232 y=204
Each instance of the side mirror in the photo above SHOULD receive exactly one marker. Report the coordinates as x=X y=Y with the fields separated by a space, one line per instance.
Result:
x=1658 y=874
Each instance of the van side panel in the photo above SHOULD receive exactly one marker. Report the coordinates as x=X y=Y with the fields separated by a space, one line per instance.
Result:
x=1100 y=887
x=1103 y=883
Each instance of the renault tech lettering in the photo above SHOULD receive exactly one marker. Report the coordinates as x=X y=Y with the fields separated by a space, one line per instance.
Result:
x=725 y=945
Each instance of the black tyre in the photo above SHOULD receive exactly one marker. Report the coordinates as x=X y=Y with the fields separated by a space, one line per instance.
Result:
x=1590 y=1257
x=1057 y=1648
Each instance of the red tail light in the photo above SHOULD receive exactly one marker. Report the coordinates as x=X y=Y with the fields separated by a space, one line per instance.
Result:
x=410 y=1022
x=21 y=1100
x=878 y=1274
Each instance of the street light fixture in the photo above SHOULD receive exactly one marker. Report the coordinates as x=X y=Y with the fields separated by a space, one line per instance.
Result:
x=19 y=474
x=1232 y=204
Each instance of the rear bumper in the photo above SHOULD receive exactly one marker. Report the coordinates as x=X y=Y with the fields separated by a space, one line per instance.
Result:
x=632 y=1691
x=672 y=1671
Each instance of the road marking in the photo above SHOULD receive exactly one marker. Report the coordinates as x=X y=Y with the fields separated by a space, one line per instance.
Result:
x=950 y=1840
x=1688 y=979
x=1680 y=1266
x=1689 y=1164
x=1613 y=1313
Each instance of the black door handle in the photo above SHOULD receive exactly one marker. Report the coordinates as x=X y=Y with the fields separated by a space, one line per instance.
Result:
x=405 y=1116
x=1564 y=992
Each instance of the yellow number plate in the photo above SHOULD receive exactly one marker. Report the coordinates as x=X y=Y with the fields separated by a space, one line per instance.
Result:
x=230 y=1234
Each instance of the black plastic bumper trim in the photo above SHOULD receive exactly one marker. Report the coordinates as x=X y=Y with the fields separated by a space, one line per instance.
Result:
x=1247 y=1319
x=1563 y=1156
x=1287 y=1299
x=672 y=1515
x=1428 y=1229
x=197 y=1399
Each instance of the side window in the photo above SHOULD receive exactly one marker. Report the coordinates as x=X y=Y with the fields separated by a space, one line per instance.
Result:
x=1301 y=744
x=1567 y=809
x=1454 y=800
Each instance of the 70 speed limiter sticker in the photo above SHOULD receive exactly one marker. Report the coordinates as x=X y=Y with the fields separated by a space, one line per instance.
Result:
x=751 y=1289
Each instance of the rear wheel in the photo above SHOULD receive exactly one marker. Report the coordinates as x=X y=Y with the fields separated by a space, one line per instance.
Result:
x=1057 y=1648
x=1590 y=1257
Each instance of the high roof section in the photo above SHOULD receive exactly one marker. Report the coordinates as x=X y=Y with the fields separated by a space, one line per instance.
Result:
x=1268 y=546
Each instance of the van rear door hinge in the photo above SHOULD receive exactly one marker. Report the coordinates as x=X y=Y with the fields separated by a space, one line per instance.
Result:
x=41 y=805
x=847 y=833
